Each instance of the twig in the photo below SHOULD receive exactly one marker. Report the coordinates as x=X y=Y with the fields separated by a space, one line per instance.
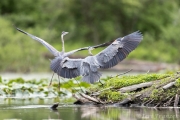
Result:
x=147 y=71
x=124 y=72
x=121 y=73
x=150 y=102
x=169 y=101
x=157 y=104
x=146 y=102
x=176 y=100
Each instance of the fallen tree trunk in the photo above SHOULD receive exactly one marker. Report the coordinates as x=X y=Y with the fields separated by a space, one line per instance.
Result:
x=135 y=87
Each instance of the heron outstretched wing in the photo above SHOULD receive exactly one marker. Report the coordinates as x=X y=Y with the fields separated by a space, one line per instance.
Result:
x=118 y=50
x=67 y=68
x=47 y=45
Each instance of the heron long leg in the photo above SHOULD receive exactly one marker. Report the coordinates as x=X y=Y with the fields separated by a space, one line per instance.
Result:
x=59 y=83
x=79 y=86
x=51 y=80
x=101 y=82
x=70 y=85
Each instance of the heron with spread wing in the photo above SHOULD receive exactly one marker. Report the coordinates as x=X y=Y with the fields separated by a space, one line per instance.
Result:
x=57 y=62
x=88 y=67
x=107 y=58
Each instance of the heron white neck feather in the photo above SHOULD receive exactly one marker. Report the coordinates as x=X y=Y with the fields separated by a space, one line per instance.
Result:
x=62 y=39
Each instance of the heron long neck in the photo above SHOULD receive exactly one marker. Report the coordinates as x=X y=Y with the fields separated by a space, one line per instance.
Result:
x=90 y=53
x=63 y=49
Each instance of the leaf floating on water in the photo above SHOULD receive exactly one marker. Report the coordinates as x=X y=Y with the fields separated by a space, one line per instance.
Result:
x=21 y=88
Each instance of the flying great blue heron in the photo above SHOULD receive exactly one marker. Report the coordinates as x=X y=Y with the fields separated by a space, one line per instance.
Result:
x=88 y=67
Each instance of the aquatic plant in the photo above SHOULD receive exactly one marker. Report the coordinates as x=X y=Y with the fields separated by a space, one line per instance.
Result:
x=21 y=88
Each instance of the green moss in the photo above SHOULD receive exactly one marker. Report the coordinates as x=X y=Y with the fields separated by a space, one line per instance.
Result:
x=160 y=94
x=112 y=95
x=156 y=93
x=109 y=91
x=177 y=82
x=119 y=82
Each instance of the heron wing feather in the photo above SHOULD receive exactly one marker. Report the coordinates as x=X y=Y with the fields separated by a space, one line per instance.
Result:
x=114 y=53
x=70 y=68
x=47 y=45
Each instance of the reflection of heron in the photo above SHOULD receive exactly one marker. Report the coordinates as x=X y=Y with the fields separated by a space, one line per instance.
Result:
x=88 y=67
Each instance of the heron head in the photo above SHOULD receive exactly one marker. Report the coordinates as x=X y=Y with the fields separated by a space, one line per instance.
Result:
x=64 y=33
x=89 y=50
x=115 y=42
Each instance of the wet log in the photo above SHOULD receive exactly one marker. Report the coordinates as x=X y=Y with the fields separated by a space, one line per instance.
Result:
x=80 y=100
x=135 y=87
x=90 y=98
x=169 y=85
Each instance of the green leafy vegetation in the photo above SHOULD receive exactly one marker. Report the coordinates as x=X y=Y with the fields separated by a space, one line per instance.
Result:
x=20 y=88
x=89 y=23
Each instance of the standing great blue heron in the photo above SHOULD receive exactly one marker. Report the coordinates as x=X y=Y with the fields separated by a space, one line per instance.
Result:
x=88 y=67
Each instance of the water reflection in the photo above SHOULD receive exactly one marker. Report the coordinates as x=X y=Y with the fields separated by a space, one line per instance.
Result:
x=73 y=112
x=109 y=113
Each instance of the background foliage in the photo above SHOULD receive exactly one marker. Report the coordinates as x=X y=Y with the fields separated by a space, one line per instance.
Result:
x=89 y=22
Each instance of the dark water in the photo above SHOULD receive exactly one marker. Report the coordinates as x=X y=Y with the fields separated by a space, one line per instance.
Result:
x=23 y=110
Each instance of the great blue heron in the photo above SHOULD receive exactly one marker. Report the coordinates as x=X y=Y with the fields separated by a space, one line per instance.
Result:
x=88 y=67
x=109 y=57
x=57 y=62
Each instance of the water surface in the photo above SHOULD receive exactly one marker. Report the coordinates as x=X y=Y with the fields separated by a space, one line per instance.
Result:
x=67 y=111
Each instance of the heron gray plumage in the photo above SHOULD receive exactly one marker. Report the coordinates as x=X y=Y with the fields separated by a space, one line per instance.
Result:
x=57 y=62
x=107 y=58
x=88 y=67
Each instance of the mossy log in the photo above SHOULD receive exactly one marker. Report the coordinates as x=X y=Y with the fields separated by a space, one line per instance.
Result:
x=151 y=90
